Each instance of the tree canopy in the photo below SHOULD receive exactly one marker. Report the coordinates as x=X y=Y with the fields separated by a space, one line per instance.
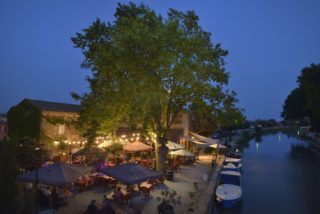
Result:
x=305 y=99
x=295 y=105
x=146 y=69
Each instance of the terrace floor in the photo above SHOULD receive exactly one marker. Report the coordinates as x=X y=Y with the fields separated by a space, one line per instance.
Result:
x=183 y=184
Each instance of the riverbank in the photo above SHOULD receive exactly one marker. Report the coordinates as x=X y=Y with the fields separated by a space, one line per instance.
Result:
x=248 y=135
x=279 y=169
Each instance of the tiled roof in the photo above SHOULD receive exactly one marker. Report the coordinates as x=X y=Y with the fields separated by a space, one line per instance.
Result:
x=54 y=106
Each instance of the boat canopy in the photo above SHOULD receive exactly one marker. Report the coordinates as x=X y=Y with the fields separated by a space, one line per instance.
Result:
x=233 y=160
x=232 y=173
x=230 y=166
x=229 y=192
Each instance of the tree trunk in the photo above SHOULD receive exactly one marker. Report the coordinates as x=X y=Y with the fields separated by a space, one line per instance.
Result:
x=162 y=155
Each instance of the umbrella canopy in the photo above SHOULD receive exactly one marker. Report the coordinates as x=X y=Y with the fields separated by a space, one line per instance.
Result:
x=206 y=140
x=221 y=146
x=56 y=174
x=105 y=144
x=182 y=152
x=136 y=146
x=173 y=146
x=131 y=173
x=92 y=150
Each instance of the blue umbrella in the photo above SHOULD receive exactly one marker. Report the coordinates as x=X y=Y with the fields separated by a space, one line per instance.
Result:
x=56 y=174
x=131 y=173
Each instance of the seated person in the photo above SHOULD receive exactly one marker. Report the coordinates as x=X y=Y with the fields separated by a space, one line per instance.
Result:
x=118 y=195
x=72 y=188
x=47 y=192
x=130 y=188
x=42 y=199
x=66 y=193
x=88 y=180
x=55 y=198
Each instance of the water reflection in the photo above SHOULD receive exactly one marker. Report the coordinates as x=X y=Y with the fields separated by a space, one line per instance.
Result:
x=279 y=177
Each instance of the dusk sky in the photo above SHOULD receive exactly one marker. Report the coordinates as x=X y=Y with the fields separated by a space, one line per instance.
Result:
x=269 y=42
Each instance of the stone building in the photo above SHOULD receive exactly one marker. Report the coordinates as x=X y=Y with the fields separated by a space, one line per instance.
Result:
x=179 y=129
x=44 y=121
x=57 y=122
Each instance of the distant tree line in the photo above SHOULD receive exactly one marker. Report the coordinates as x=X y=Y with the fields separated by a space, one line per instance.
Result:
x=304 y=101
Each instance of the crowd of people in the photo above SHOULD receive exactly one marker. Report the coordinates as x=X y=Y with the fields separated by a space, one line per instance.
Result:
x=55 y=196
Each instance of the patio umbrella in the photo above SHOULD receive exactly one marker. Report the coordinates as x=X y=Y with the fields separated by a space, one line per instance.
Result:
x=105 y=144
x=182 y=152
x=173 y=146
x=203 y=140
x=56 y=174
x=136 y=146
x=89 y=151
x=131 y=173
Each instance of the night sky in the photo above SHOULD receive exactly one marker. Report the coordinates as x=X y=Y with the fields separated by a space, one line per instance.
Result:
x=269 y=42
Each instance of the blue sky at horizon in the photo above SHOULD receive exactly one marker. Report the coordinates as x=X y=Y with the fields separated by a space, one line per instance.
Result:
x=269 y=42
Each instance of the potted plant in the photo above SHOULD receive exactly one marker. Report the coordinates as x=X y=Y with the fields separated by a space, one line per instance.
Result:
x=168 y=200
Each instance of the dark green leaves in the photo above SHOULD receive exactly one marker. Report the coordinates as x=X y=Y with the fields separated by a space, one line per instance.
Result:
x=305 y=99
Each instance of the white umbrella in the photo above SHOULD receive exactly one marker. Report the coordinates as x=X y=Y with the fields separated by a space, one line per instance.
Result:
x=203 y=139
x=182 y=152
x=136 y=146
x=173 y=146
x=105 y=144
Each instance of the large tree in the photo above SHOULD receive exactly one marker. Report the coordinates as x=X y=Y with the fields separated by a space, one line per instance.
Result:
x=229 y=117
x=295 y=105
x=309 y=82
x=305 y=99
x=146 y=69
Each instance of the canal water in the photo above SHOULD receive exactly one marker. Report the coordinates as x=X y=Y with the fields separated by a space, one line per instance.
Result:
x=280 y=175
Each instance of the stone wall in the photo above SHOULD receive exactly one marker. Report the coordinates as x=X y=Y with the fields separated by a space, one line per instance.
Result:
x=60 y=131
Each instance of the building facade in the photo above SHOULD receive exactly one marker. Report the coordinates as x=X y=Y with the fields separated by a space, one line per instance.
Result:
x=57 y=122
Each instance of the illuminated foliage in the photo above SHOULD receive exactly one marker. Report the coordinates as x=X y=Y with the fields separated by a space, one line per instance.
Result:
x=146 y=69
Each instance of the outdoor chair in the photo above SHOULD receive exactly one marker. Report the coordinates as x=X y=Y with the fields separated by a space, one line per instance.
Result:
x=144 y=190
x=161 y=180
x=120 y=200
x=110 y=182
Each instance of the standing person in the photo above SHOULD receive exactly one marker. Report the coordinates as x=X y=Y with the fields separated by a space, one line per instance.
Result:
x=92 y=208
x=55 y=198
x=106 y=207
x=104 y=199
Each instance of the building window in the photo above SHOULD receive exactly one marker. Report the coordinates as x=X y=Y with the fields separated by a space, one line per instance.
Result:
x=61 y=129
